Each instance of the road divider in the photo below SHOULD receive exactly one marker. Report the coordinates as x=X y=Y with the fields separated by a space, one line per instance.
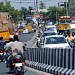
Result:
x=57 y=61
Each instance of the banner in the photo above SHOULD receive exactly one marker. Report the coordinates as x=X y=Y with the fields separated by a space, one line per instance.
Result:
x=35 y=21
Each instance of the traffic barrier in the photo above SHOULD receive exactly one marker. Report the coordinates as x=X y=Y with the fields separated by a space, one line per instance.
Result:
x=55 y=60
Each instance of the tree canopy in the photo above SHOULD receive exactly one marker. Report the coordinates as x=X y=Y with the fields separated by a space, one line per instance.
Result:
x=53 y=12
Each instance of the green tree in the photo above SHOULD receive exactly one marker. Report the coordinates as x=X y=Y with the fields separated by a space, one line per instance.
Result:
x=1 y=7
x=7 y=7
x=23 y=12
x=54 y=12
x=29 y=9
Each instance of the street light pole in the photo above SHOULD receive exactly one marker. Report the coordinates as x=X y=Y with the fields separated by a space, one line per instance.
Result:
x=36 y=6
x=66 y=8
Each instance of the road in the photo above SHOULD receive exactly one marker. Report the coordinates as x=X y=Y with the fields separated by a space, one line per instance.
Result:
x=29 y=39
x=26 y=37
x=28 y=71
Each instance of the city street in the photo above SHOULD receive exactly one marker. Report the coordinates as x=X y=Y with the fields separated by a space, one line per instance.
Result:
x=37 y=37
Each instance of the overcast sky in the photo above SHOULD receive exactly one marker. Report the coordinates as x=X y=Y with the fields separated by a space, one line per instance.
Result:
x=24 y=3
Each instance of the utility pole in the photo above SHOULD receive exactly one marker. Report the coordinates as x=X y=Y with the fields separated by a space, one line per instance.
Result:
x=5 y=1
x=66 y=7
x=36 y=6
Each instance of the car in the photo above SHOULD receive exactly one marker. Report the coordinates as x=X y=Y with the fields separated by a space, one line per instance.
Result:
x=25 y=31
x=47 y=24
x=48 y=33
x=52 y=28
x=55 y=41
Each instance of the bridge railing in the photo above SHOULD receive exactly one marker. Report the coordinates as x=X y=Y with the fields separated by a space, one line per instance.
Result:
x=64 y=58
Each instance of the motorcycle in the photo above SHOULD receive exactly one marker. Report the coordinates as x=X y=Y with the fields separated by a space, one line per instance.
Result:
x=18 y=65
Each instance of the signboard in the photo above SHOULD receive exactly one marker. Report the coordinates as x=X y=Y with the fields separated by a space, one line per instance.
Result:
x=28 y=17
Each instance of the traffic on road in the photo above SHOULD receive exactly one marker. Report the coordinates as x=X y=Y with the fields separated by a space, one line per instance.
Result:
x=39 y=37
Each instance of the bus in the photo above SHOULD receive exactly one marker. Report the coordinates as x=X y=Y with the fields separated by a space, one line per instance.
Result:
x=64 y=24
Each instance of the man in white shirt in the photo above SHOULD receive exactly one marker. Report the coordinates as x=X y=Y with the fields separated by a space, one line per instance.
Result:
x=17 y=47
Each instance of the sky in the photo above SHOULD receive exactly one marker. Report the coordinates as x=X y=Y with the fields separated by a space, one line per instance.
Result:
x=24 y=3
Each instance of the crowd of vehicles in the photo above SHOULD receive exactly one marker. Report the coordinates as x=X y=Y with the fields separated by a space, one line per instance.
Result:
x=49 y=37
x=54 y=36
x=28 y=28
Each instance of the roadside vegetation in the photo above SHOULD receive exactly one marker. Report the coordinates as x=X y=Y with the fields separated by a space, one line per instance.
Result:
x=16 y=15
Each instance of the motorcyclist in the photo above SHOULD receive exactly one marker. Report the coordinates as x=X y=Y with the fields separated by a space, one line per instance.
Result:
x=69 y=38
x=8 y=51
x=17 y=48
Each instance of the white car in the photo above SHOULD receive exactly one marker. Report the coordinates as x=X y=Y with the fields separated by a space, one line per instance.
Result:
x=25 y=31
x=52 y=28
x=55 y=41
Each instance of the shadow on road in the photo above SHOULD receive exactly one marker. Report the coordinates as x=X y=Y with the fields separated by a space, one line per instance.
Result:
x=5 y=73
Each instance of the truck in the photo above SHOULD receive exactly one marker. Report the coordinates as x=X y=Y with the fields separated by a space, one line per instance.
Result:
x=6 y=26
x=64 y=24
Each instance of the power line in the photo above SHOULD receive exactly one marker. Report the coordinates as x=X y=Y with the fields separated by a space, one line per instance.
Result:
x=20 y=2
x=24 y=1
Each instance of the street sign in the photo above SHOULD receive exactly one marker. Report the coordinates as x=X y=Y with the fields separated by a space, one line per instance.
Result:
x=28 y=17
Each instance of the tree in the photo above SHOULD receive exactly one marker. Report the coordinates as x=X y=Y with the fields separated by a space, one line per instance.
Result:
x=42 y=5
x=29 y=9
x=1 y=7
x=7 y=7
x=23 y=12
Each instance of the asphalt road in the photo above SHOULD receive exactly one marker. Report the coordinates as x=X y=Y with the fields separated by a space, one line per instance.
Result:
x=28 y=71
x=29 y=39
x=26 y=37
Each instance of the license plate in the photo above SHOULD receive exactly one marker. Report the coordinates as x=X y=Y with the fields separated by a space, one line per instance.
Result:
x=18 y=64
x=1 y=53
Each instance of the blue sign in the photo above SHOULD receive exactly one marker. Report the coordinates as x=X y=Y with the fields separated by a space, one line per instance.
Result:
x=28 y=17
